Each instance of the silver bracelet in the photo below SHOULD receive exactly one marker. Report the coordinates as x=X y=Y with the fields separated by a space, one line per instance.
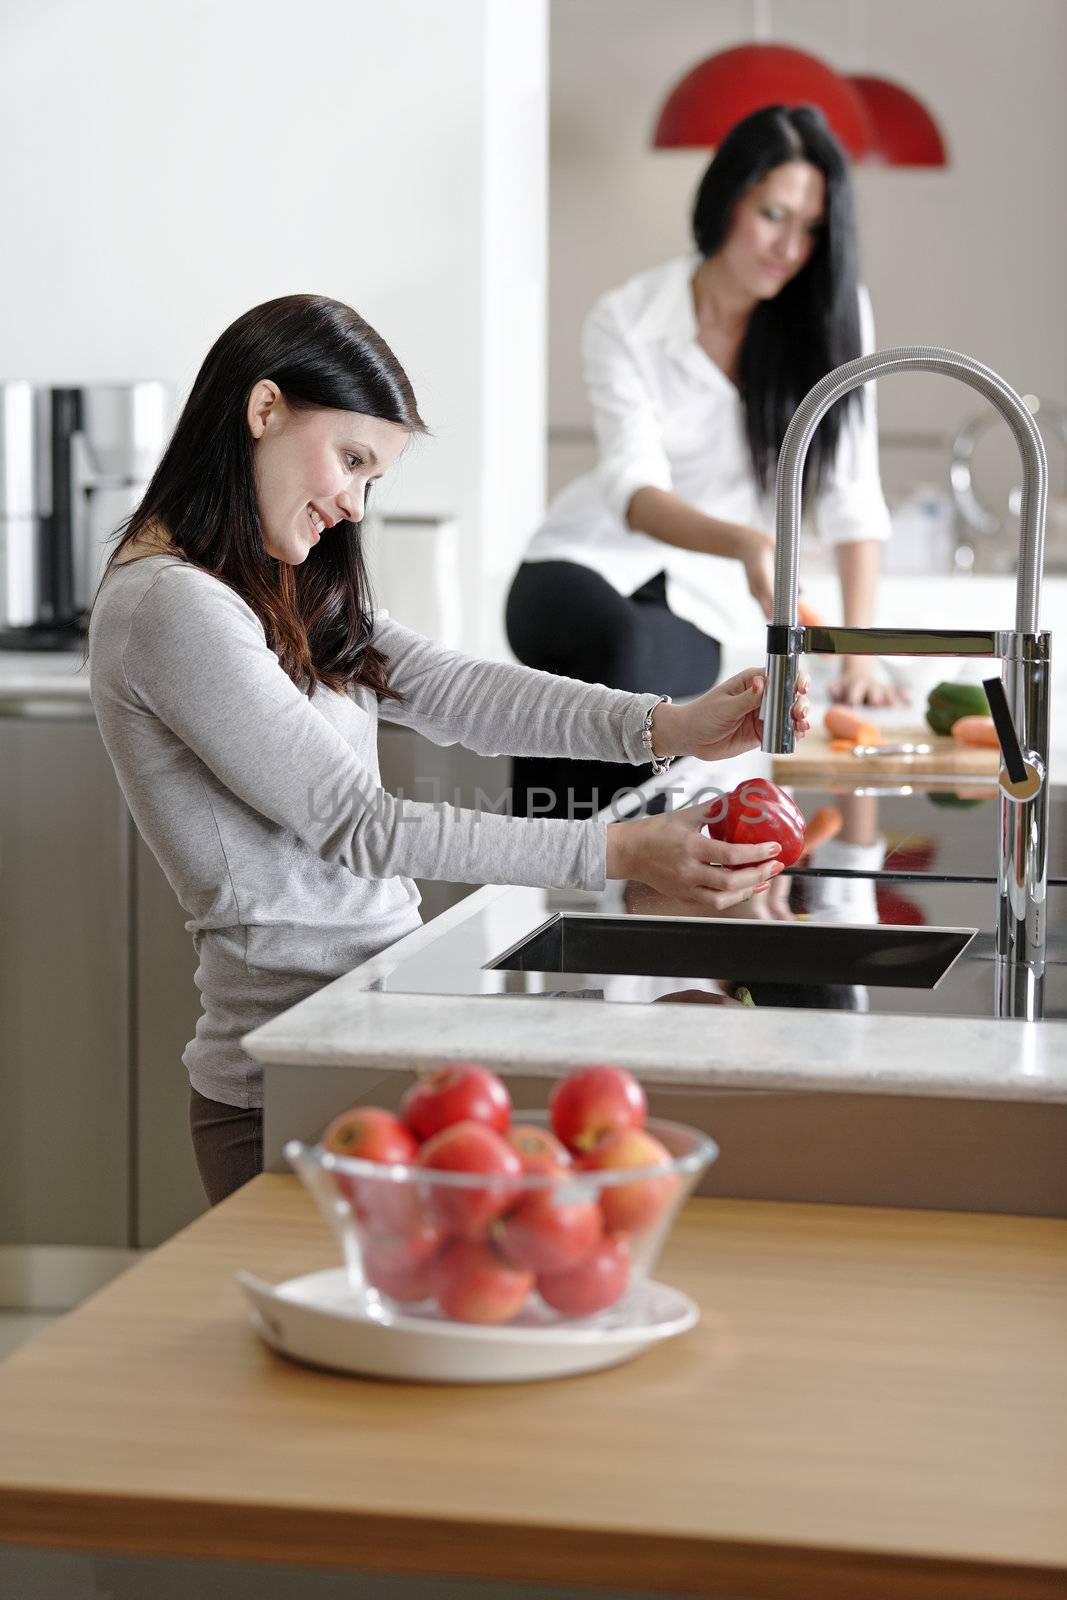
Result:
x=660 y=764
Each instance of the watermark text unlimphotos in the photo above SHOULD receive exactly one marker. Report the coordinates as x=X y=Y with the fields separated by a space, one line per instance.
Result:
x=333 y=805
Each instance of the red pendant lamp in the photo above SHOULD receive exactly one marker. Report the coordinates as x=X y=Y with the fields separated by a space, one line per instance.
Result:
x=704 y=105
x=903 y=131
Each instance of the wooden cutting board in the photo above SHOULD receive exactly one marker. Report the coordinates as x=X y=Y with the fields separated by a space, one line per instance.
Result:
x=814 y=761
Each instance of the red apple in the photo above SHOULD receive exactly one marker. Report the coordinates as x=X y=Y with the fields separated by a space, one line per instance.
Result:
x=370 y=1134
x=548 y=1232
x=460 y=1091
x=537 y=1149
x=388 y=1206
x=469 y=1147
x=396 y=1251
x=631 y=1207
x=401 y=1264
x=593 y=1102
x=473 y=1283
x=598 y=1282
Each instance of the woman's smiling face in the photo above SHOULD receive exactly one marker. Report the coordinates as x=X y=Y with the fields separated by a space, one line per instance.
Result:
x=312 y=467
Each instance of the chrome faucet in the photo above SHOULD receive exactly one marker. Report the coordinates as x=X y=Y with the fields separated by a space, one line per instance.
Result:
x=1020 y=708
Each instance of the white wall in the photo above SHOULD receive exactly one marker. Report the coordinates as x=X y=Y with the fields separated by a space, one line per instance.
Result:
x=515 y=300
x=973 y=257
x=168 y=166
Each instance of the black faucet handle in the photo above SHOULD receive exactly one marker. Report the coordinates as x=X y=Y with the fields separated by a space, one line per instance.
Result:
x=1010 y=748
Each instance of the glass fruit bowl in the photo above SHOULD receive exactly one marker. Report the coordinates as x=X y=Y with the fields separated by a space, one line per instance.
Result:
x=546 y=1247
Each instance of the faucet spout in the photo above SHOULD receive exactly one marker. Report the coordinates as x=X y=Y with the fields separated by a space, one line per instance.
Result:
x=782 y=650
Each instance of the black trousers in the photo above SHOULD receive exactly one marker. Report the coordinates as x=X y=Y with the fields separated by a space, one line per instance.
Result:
x=565 y=618
x=227 y=1143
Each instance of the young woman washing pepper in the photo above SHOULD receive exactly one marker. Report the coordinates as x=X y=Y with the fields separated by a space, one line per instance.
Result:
x=238 y=672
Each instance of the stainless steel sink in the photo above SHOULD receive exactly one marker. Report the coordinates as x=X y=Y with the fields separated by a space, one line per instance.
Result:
x=706 y=947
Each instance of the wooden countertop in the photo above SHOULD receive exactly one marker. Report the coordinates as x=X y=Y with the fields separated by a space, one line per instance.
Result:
x=873 y=1404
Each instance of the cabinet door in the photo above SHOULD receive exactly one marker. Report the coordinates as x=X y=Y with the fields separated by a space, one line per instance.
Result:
x=168 y=1005
x=413 y=766
x=64 y=986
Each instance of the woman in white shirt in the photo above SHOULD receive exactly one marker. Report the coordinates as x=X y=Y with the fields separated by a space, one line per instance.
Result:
x=654 y=566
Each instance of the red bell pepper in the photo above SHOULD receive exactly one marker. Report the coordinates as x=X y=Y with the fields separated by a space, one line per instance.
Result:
x=758 y=812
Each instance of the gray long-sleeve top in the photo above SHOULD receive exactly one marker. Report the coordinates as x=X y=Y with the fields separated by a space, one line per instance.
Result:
x=265 y=809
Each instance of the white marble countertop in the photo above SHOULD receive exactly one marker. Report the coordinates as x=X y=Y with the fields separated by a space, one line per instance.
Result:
x=353 y=1023
x=981 y=601
x=348 y=1024
x=43 y=675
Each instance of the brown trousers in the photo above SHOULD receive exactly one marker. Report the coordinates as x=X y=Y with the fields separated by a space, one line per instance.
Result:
x=227 y=1143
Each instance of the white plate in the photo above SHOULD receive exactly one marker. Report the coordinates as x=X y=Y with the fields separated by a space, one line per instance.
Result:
x=328 y=1321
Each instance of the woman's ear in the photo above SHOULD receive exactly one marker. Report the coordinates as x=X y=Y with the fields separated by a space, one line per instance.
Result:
x=264 y=402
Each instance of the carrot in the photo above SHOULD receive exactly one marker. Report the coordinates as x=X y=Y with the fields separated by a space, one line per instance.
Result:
x=825 y=825
x=807 y=617
x=976 y=730
x=842 y=723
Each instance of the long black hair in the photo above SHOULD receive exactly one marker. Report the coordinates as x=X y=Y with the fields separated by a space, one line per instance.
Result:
x=320 y=353
x=812 y=325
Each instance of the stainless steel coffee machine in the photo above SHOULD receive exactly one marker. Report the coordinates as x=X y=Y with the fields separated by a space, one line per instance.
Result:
x=74 y=462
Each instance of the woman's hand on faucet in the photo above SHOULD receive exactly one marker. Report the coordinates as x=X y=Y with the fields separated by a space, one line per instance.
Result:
x=723 y=722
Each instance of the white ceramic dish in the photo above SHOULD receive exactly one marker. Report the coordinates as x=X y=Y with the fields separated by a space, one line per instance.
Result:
x=327 y=1321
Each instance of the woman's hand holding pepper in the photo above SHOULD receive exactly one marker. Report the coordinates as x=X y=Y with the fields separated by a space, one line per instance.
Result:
x=723 y=722
x=673 y=855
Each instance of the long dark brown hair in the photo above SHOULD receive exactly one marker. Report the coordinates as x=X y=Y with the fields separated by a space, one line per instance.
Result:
x=813 y=324
x=320 y=353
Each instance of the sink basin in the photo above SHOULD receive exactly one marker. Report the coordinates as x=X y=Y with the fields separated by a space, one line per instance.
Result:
x=707 y=947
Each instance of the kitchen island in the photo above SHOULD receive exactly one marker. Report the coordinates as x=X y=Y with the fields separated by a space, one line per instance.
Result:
x=873 y=1403
x=933 y=1103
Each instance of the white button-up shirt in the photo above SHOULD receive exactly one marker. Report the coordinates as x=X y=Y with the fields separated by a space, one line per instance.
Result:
x=667 y=416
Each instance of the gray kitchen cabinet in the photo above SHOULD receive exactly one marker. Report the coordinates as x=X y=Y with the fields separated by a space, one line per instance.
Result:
x=413 y=766
x=165 y=1011
x=65 y=1066
x=97 y=999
